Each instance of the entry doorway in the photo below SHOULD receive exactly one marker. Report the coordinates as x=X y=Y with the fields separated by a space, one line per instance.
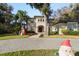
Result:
x=40 y=28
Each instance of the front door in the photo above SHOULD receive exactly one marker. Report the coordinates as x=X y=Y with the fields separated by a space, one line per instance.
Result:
x=40 y=28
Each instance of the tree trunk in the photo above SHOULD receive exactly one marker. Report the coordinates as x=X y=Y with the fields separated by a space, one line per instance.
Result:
x=47 y=25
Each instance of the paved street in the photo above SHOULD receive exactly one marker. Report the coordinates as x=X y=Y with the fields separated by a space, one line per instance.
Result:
x=34 y=44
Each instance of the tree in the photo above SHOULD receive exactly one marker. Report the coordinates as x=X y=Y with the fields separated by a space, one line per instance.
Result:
x=73 y=15
x=65 y=14
x=19 y=18
x=5 y=16
x=22 y=15
x=45 y=9
x=75 y=11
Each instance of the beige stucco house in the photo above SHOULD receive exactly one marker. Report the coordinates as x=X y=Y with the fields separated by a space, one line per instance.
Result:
x=39 y=25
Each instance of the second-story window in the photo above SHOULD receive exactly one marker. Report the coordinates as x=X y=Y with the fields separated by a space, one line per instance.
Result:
x=43 y=20
x=38 y=20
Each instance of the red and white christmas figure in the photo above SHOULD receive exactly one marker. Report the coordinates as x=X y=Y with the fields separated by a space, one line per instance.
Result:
x=66 y=49
x=23 y=32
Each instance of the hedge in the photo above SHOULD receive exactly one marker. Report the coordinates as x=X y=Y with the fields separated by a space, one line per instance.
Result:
x=70 y=32
x=53 y=33
x=65 y=32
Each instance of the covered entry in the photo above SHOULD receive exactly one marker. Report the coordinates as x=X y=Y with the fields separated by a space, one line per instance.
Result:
x=40 y=28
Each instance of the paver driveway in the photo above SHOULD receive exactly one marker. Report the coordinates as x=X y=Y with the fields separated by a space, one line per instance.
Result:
x=34 y=44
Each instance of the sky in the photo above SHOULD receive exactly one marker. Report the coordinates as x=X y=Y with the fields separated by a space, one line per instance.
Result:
x=34 y=12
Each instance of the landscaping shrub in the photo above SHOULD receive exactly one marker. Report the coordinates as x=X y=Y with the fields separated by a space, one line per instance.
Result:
x=77 y=53
x=53 y=33
x=73 y=32
x=4 y=29
x=65 y=31
x=31 y=33
x=70 y=32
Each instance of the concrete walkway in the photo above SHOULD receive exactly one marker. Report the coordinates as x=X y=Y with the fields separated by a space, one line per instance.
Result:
x=33 y=44
x=36 y=36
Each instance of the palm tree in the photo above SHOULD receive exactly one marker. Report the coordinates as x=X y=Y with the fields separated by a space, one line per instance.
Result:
x=45 y=9
x=20 y=17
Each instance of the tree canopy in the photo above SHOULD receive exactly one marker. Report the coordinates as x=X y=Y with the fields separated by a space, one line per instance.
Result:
x=64 y=14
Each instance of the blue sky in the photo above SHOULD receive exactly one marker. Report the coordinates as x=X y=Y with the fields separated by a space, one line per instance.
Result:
x=33 y=12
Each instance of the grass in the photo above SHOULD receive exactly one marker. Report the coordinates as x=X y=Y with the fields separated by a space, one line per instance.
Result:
x=51 y=52
x=5 y=37
x=64 y=36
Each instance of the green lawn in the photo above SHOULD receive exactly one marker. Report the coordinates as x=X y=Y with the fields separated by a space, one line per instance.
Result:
x=52 y=52
x=5 y=37
x=64 y=36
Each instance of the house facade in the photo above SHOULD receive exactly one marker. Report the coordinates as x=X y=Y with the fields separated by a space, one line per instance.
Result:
x=39 y=25
x=69 y=26
x=58 y=27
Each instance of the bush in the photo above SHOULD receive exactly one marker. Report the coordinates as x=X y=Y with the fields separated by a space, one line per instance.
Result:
x=65 y=31
x=31 y=33
x=53 y=33
x=5 y=29
x=73 y=32
x=70 y=32
x=77 y=53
